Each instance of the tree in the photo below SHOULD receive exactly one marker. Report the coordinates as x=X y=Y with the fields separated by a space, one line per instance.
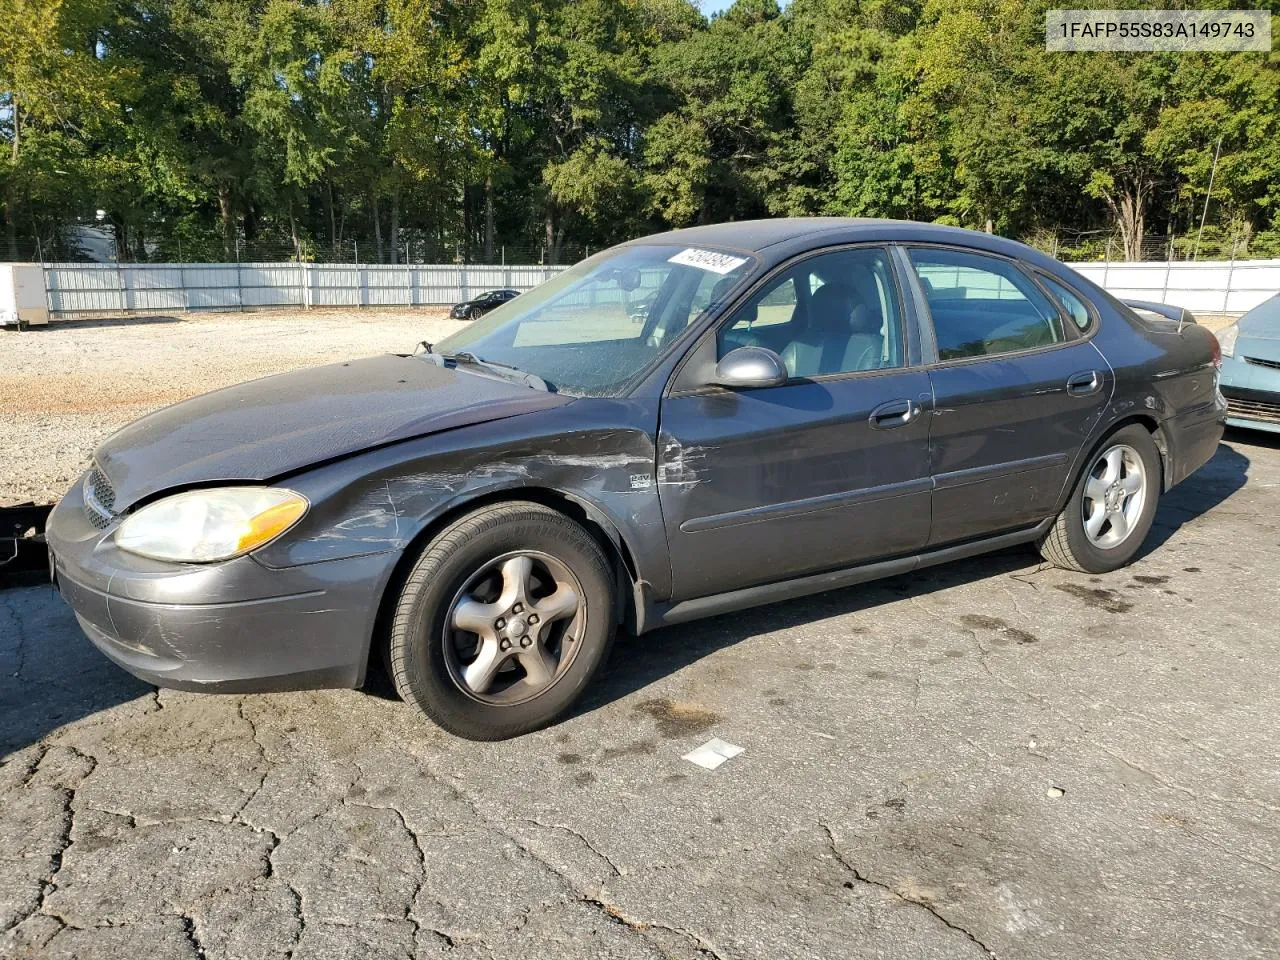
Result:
x=58 y=97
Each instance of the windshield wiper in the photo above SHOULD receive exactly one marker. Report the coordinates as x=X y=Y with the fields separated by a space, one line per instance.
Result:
x=506 y=370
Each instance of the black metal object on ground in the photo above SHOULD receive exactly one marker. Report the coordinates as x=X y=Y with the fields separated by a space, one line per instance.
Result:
x=24 y=558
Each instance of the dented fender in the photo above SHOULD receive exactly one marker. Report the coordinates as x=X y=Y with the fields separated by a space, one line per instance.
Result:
x=590 y=452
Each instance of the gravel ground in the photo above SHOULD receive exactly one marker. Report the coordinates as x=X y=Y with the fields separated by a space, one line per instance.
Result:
x=66 y=387
x=990 y=759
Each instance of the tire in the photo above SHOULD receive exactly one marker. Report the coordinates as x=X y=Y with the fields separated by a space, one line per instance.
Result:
x=492 y=683
x=1112 y=542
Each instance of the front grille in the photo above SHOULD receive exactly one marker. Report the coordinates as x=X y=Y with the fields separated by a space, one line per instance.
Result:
x=1273 y=364
x=99 y=499
x=1253 y=410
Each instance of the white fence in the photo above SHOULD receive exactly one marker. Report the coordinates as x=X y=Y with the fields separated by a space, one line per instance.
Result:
x=80 y=288
x=94 y=288
x=1204 y=286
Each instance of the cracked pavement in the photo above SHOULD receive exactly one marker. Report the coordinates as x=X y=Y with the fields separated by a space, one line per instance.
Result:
x=989 y=759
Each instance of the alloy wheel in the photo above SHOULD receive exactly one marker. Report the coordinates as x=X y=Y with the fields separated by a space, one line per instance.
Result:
x=1115 y=491
x=514 y=628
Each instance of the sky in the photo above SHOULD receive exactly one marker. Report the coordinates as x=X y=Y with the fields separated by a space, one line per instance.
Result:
x=709 y=7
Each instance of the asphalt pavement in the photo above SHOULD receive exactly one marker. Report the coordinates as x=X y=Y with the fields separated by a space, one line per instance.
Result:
x=990 y=759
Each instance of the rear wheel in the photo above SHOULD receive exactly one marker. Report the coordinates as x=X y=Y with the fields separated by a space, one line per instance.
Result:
x=1111 y=509
x=502 y=622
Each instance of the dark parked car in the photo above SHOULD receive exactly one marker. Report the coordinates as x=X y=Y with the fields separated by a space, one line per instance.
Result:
x=477 y=307
x=807 y=405
x=1251 y=368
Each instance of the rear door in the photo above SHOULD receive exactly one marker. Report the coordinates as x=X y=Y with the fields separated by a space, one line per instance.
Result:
x=825 y=471
x=1017 y=390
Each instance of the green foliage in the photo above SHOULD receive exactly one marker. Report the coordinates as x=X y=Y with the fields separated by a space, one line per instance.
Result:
x=214 y=128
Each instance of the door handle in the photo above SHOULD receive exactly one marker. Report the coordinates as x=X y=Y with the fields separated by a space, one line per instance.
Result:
x=895 y=413
x=1084 y=384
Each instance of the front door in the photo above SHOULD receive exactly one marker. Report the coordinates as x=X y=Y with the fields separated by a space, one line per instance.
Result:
x=826 y=471
x=1017 y=392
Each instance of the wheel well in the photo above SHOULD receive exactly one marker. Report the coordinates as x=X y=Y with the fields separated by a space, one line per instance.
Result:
x=619 y=554
x=1152 y=426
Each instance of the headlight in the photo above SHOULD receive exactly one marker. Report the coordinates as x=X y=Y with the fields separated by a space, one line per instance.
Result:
x=1227 y=339
x=201 y=526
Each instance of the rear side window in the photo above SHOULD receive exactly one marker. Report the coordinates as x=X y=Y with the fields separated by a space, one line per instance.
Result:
x=1071 y=305
x=983 y=306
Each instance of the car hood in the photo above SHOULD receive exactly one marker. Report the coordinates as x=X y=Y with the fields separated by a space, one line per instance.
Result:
x=270 y=427
x=1262 y=322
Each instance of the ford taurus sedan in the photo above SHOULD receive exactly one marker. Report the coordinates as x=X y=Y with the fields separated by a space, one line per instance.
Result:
x=807 y=404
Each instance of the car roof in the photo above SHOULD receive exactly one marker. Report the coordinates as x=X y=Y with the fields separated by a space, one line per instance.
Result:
x=776 y=239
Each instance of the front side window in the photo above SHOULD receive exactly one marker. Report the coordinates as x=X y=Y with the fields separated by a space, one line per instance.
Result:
x=590 y=330
x=834 y=313
x=983 y=306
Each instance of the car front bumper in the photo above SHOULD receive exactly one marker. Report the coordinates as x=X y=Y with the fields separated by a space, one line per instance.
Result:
x=1253 y=394
x=236 y=626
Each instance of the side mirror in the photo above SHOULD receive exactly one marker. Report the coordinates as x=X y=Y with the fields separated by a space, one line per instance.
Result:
x=748 y=368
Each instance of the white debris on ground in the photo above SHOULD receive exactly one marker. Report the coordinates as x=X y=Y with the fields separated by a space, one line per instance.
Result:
x=713 y=753
x=67 y=386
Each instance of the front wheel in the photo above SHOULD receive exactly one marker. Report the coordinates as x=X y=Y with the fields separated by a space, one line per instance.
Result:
x=502 y=622
x=1111 y=509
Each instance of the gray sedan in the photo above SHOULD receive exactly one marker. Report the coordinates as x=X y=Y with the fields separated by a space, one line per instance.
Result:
x=807 y=404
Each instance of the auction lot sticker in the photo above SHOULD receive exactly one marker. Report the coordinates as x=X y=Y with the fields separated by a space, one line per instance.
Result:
x=1181 y=31
x=707 y=260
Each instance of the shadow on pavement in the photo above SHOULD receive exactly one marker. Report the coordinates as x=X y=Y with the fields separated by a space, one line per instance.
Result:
x=1213 y=483
x=50 y=675
x=639 y=661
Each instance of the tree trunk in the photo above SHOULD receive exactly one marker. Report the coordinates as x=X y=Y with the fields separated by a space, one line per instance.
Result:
x=121 y=231
x=1132 y=222
x=11 y=220
x=1129 y=207
x=293 y=234
x=488 y=218
x=333 y=223
x=11 y=202
x=377 y=232
x=226 y=211
x=549 y=234
x=465 y=249
x=395 y=226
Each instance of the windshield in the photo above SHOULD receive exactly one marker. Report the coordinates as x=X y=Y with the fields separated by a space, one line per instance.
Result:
x=590 y=330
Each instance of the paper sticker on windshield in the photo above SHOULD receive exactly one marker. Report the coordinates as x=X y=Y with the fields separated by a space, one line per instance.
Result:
x=721 y=263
